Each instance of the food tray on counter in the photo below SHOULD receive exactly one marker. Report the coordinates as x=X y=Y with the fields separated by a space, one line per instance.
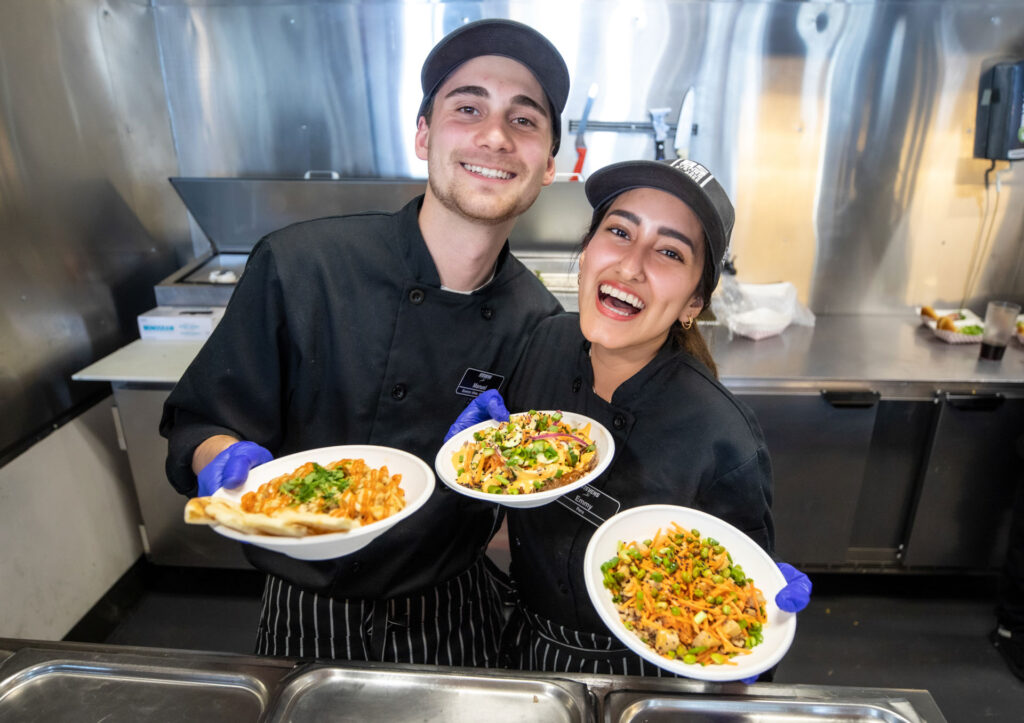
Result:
x=346 y=694
x=62 y=681
x=71 y=685
x=647 y=707
x=964 y=319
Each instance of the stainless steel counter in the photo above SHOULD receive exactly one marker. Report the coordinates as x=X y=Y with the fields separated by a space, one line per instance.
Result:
x=76 y=682
x=890 y=448
x=891 y=351
x=892 y=354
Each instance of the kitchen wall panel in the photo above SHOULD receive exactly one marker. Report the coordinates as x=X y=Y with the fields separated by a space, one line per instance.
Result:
x=59 y=560
x=843 y=130
x=88 y=221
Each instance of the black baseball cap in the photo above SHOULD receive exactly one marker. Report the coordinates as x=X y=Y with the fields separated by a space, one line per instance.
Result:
x=507 y=38
x=687 y=180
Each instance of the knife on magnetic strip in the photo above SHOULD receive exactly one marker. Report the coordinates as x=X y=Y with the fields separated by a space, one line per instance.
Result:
x=684 y=126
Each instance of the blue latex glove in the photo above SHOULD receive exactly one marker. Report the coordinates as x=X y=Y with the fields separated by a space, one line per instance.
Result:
x=793 y=598
x=231 y=467
x=488 y=405
x=797 y=594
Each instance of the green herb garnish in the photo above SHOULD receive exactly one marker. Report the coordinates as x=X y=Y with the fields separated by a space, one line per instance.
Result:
x=322 y=483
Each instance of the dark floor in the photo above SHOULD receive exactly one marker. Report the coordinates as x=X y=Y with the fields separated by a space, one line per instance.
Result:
x=860 y=630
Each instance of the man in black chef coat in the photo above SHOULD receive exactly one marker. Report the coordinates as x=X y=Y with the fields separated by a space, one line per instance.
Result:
x=372 y=329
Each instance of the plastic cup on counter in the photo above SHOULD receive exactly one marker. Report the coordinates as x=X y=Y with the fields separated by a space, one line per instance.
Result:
x=1000 y=322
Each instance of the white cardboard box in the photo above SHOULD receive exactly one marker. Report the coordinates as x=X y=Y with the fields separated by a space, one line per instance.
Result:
x=179 y=322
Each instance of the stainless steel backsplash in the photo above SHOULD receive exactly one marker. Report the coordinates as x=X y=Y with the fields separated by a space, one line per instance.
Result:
x=843 y=131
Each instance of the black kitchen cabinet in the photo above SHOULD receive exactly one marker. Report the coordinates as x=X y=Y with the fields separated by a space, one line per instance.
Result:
x=819 y=444
x=902 y=484
x=962 y=512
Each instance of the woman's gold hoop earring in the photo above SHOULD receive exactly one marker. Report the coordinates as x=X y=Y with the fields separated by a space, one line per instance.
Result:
x=688 y=324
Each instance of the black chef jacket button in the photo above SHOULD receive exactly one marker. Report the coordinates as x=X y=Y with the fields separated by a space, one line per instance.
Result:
x=487 y=312
x=619 y=422
x=355 y=567
x=416 y=296
x=563 y=588
x=576 y=384
x=398 y=391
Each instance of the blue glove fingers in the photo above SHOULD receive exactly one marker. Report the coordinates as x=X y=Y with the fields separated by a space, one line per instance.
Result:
x=495 y=405
x=236 y=470
x=231 y=467
x=210 y=475
x=795 y=596
x=483 y=407
x=256 y=454
x=750 y=681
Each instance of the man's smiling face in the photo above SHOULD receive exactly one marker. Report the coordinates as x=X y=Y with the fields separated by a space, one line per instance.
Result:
x=488 y=144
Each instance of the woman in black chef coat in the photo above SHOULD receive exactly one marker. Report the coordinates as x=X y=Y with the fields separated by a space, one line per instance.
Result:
x=634 y=360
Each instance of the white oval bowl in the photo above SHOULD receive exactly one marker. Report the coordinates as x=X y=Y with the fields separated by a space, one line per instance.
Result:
x=417 y=482
x=601 y=436
x=641 y=523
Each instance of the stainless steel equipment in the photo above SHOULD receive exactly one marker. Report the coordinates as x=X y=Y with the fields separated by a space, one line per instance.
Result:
x=73 y=682
x=391 y=695
x=857 y=191
x=235 y=213
x=889 y=450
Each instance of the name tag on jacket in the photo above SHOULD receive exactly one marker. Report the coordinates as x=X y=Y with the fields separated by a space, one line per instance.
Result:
x=591 y=504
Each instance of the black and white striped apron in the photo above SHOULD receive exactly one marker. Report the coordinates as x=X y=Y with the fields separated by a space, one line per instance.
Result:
x=531 y=642
x=458 y=622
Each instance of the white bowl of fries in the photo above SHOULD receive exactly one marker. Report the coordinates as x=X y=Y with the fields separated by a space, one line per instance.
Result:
x=417 y=484
x=445 y=464
x=640 y=524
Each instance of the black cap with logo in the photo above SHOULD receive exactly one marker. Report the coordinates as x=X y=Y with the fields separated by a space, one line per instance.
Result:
x=509 y=39
x=688 y=181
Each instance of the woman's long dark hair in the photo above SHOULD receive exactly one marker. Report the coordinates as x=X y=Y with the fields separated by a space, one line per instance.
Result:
x=689 y=340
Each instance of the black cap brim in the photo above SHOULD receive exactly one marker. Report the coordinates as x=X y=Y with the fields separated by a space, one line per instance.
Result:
x=509 y=39
x=689 y=181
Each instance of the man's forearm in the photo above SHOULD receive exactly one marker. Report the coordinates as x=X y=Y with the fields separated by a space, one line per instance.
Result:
x=209 y=449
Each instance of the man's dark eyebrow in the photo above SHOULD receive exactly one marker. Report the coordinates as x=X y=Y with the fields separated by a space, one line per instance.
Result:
x=476 y=90
x=529 y=103
x=481 y=92
x=662 y=231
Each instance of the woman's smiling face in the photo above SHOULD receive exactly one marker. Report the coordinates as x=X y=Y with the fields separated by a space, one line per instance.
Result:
x=640 y=272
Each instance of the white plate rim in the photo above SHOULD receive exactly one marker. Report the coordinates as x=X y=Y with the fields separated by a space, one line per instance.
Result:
x=598 y=432
x=783 y=626
x=258 y=476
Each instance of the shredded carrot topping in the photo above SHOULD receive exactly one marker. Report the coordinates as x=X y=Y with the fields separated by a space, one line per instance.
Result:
x=683 y=596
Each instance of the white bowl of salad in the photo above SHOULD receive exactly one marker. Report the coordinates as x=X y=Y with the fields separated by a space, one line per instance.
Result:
x=534 y=458
x=688 y=592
